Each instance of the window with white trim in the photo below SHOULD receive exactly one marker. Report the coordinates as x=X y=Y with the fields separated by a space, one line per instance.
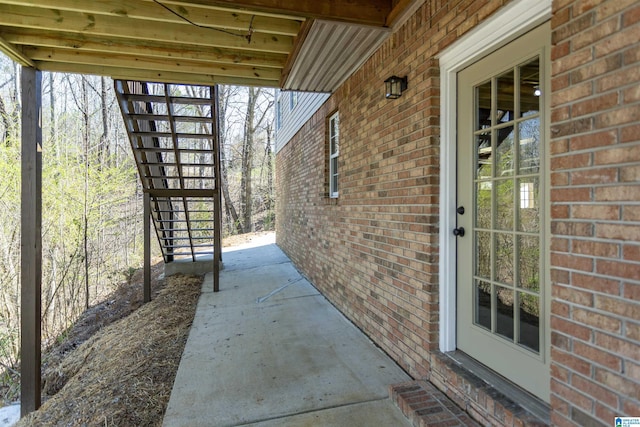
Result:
x=334 y=151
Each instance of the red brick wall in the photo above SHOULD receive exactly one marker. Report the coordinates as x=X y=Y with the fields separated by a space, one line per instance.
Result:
x=595 y=161
x=374 y=251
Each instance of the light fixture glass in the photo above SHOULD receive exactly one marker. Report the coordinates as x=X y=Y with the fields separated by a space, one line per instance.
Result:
x=394 y=86
x=537 y=91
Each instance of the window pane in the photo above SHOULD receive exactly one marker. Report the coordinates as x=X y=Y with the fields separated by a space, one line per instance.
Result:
x=334 y=175
x=334 y=149
x=483 y=304
x=483 y=105
x=483 y=204
x=529 y=147
x=529 y=256
x=484 y=158
x=504 y=258
x=504 y=312
x=506 y=98
x=504 y=151
x=504 y=204
x=530 y=90
x=529 y=321
x=529 y=204
x=483 y=254
x=335 y=143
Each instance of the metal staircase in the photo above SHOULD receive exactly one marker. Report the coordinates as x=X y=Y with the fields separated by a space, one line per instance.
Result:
x=173 y=130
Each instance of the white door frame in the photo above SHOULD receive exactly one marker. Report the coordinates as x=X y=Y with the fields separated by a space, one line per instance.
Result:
x=507 y=24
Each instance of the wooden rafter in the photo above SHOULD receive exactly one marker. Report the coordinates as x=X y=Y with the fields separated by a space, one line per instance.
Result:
x=126 y=73
x=362 y=12
x=162 y=13
x=16 y=53
x=105 y=25
x=152 y=49
x=145 y=40
x=201 y=42
x=68 y=56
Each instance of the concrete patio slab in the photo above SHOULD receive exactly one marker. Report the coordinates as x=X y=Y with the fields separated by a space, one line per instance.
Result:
x=380 y=413
x=269 y=350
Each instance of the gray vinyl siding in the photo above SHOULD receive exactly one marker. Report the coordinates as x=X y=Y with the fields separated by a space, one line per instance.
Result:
x=292 y=120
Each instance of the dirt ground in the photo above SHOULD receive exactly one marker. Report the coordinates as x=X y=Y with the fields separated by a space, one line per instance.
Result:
x=117 y=364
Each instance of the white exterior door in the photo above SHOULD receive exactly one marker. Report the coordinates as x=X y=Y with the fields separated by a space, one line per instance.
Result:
x=502 y=289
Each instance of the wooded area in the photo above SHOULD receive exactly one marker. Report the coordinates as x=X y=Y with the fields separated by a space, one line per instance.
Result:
x=92 y=202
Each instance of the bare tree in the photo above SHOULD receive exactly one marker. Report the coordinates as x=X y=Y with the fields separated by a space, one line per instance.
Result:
x=247 y=159
x=4 y=117
x=225 y=94
x=103 y=147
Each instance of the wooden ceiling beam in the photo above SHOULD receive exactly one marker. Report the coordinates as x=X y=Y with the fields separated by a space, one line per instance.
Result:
x=110 y=45
x=143 y=30
x=140 y=9
x=146 y=63
x=124 y=73
x=401 y=10
x=362 y=12
x=15 y=53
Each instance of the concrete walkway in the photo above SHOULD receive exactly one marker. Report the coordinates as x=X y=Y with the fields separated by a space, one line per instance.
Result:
x=269 y=350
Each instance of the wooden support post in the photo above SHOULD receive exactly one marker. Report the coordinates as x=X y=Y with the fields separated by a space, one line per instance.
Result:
x=31 y=242
x=217 y=198
x=147 y=246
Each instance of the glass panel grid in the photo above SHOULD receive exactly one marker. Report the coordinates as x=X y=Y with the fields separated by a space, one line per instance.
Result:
x=506 y=233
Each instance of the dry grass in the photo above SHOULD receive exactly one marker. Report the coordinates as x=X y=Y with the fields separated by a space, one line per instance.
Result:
x=123 y=374
x=117 y=364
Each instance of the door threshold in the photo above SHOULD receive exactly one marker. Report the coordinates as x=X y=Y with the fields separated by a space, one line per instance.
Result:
x=532 y=404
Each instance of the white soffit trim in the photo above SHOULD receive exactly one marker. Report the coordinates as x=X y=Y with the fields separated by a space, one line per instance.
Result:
x=331 y=52
x=507 y=24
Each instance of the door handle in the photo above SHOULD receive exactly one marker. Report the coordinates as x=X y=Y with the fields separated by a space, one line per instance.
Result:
x=459 y=232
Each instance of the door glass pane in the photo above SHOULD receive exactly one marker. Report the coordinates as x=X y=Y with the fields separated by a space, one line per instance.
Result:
x=530 y=88
x=483 y=254
x=504 y=204
x=504 y=314
x=507 y=206
x=484 y=158
x=483 y=106
x=482 y=304
x=504 y=258
x=529 y=323
x=505 y=97
x=501 y=129
x=483 y=204
x=529 y=265
x=504 y=151
x=529 y=162
x=529 y=204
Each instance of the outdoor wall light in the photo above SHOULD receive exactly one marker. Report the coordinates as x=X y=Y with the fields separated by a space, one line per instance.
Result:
x=394 y=86
x=537 y=91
